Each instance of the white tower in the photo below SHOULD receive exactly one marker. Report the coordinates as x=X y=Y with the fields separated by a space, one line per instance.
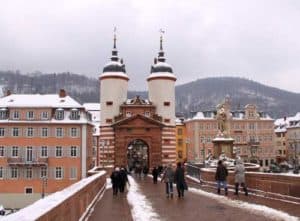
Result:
x=114 y=86
x=161 y=84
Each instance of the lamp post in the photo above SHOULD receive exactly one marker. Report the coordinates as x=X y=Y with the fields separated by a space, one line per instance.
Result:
x=203 y=152
x=187 y=141
x=44 y=184
x=296 y=163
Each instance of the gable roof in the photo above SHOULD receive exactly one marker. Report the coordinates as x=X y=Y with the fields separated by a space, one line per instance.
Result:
x=150 y=120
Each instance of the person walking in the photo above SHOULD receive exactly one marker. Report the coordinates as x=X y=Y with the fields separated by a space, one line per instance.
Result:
x=180 y=180
x=221 y=177
x=168 y=178
x=115 y=180
x=154 y=174
x=239 y=178
x=123 y=179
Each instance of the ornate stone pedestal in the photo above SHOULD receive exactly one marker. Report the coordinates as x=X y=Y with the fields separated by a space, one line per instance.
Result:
x=223 y=145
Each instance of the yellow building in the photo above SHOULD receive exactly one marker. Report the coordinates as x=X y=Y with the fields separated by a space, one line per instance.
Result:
x=181 y=150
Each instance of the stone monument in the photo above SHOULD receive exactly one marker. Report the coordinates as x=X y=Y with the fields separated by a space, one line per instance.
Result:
x=223 y=142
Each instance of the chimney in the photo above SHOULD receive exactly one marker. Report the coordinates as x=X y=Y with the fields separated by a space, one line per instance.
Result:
x=8 y=92
x=62 y=93
x=284 y=118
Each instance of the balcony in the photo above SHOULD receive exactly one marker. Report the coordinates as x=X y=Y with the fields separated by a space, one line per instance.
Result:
x=18 y=161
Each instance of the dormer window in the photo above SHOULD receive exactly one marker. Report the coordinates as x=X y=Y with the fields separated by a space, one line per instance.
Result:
x=59 y=114
x=3 y=113
x=44 y=115
x=16 y=115
x=30 y=115
x=74 y=114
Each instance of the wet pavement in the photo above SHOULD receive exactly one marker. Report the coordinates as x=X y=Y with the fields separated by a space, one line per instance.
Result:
x=192 y=207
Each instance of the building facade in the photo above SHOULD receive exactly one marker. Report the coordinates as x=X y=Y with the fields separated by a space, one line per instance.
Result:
x=94 y=110
x=45 y=146
x=137 y=132
x=252 y=132
x=181 y=141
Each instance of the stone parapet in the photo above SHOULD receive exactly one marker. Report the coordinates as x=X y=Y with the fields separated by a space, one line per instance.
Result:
x=278 y=184
x=72 y=203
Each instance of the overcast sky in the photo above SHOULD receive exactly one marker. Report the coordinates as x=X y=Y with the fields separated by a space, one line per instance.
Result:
x=255 y=39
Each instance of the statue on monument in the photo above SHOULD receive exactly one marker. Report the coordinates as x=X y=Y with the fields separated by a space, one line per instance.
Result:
x=222 y=118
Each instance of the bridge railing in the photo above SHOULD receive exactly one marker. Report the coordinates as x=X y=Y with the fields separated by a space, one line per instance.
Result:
x=69 y=204
x=193 y=170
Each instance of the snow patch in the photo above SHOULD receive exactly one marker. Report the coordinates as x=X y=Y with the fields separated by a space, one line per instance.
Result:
x=252 y=208
x=141 y=208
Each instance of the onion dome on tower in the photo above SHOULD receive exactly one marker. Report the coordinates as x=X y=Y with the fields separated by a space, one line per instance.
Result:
x=160 y=67
x=116 y=67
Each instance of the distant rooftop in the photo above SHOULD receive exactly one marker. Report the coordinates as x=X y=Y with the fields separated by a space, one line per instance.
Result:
x=38 y=100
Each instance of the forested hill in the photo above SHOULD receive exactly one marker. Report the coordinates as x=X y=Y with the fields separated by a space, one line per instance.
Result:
x=202 y=94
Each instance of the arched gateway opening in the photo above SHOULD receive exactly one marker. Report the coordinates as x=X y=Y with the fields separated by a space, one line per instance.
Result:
x=137 y=154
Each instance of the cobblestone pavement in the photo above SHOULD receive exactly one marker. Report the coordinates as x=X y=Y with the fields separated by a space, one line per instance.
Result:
x=192 y=207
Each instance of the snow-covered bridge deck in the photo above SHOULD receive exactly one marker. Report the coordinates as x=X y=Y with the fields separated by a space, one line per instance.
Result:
x=147 y=201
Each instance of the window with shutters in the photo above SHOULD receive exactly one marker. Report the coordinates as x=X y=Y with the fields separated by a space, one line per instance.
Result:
x=58 y=151
x=1 y=151
x=59 y=114
x=44 y=132
x=73 y=151
x=59 y=132
x=29 y=132
x=74 y=114
x=15 y=151
x=73 y=173
x=44 y=151
x=30 y=115
x=58 y=173
x=16 y=115
x=43 y=172
x=2 y=132
x=29 y=173
x=14 y=172
x=15 y=132
x=44 y=115
x=74 y=132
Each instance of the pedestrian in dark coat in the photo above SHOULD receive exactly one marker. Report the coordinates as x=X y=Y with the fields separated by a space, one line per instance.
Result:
x=180 y=180
x=123 y=179
x=115 y=180
x=168 y=177
x=239 y=178
x=155 y=174
x=145 y=171
x=221 y=177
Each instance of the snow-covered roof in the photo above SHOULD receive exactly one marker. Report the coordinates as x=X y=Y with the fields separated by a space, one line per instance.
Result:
x=94 y=109
x=92 y=106
x=282 y=124
x=133 y=101
x=39 y=100
x=179 y=121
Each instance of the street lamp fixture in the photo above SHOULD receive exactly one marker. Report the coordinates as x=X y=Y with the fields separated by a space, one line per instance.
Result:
x=44 y=184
